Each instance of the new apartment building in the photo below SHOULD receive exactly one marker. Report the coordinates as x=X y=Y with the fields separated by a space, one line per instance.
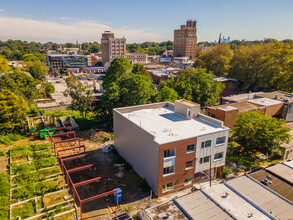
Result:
x=63 y=61
x=185 y=40
x=167 y=144
x=112 y=47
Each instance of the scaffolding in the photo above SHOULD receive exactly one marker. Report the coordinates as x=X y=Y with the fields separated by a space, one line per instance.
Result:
x=66 y=172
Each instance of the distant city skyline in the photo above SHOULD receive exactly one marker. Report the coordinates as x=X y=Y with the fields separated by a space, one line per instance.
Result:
x=140 y=21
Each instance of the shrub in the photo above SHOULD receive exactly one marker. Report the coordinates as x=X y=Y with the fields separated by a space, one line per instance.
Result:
x=45 y=162
x=8 y=138
x=2 y=153
x=226 y=172
x=5 y=140
x=25 y=211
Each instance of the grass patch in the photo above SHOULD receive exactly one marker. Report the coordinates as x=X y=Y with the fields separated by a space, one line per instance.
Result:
x=92 y=120
x=7 y=139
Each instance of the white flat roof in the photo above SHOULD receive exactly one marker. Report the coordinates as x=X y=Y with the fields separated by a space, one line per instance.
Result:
x=168 y=126
x=227 y=108
x=264 y=101
x=229 y=200
x=289 y=163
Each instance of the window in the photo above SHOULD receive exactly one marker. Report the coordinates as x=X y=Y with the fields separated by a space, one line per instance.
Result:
x=189 y=164
x=220 y=140
x=204 y=159
x=168 y=186
x=190 y=148
x=169 y=170
x=206 y=144
x=218 y=156
x=169 y=153
x=188 y=181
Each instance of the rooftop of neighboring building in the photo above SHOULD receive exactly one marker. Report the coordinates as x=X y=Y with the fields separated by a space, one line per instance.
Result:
x=224 y=79
x=269 y=201
x=65 y=55
x=283 y=171
x=242 y=106
x=289 y=163
x=278 y=95
x=241 y=97
x=166 y=126
x=274 y=183
x=264 y=101
x=198 y=206
x=165 y=210
x=231 y=202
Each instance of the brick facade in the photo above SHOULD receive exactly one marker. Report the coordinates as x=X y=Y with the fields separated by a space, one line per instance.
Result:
x=180 y=163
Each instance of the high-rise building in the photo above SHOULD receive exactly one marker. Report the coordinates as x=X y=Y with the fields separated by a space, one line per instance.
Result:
x=112 y=47
x=185 y=40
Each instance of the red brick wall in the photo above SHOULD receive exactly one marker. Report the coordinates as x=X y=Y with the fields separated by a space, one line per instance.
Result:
x=230 y=87
x=274 y=109
x=180 y=162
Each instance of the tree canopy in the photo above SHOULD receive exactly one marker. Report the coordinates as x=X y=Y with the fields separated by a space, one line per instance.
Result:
x=21 y=84
x=257 y=132
x=265 y=67
x=13 y=109
x=81 y=96
x=197 y=85
x=124 y=88
x=216 y=59
x=4 y=67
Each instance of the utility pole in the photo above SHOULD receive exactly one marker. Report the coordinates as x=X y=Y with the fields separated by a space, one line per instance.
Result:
x=211 y=170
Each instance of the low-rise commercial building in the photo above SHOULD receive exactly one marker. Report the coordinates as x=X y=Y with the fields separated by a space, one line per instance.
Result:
x=167 y=144
x=137 y=58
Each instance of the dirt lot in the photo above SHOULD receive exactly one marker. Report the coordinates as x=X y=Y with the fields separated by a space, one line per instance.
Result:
x=133 y=198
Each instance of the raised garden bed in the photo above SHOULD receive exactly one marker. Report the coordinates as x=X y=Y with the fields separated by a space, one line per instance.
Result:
x=36 y=184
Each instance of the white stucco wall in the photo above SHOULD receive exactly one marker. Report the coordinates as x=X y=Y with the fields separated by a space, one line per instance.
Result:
x=138 y=148
x=212 y=150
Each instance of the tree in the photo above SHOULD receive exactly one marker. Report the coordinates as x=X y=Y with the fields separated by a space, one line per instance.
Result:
x=4 y=67
x=37 y=69
x=265 y=67
x=167 y=94
x=21 y=84
x=257 y=132
x=216 y=59
x=13 y=109
x=123 y=88
x=120 y=68
x=37 y=72
x=196 y=85
x=95 y=47
x=140 y=70
x=81 y=96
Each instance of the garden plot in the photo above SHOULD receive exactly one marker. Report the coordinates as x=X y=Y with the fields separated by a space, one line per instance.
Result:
x=38 y=189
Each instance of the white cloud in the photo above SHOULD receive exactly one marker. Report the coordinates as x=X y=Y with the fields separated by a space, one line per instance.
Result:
x=1 y=10
x=67 y=31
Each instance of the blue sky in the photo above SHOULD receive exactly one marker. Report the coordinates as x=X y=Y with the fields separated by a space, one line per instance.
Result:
x=139 y=21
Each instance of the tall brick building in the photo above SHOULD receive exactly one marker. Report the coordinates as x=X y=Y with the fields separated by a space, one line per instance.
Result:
x=112 y=47
x=185 y=40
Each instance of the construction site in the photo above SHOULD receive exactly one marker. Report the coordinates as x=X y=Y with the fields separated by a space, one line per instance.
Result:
x=100 y=181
